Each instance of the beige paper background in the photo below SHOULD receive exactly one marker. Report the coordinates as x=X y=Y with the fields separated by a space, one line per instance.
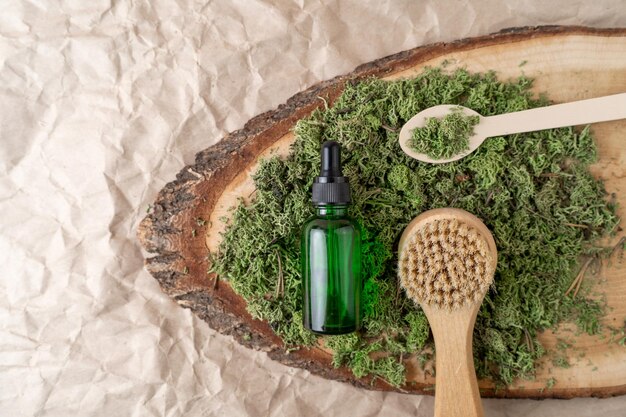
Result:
x=103 y=102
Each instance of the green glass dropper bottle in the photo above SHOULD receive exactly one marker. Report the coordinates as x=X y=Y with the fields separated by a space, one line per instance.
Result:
x=331 y=253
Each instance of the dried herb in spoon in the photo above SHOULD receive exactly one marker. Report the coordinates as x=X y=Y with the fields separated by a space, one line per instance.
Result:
x=445 y=137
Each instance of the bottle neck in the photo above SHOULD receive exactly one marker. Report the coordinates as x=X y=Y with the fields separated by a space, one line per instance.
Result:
x=332 y=210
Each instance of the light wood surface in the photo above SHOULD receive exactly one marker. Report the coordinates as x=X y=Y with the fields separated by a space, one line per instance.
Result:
x=456 y=389
x=567 y=63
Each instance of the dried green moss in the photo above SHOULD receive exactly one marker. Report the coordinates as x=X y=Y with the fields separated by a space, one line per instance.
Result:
x=353 y=350
x=561 y=361
x=532 y=190
x=445 y=137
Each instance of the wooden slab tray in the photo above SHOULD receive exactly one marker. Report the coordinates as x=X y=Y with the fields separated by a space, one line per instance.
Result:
x=568 y=63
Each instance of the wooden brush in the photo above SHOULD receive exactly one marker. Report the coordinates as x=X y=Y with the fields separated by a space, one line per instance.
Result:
x=447 y=258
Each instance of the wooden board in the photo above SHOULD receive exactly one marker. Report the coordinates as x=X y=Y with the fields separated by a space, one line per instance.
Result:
x=568 y=63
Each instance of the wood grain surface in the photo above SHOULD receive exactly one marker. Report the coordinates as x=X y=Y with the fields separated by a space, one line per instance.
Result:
x=569 y=63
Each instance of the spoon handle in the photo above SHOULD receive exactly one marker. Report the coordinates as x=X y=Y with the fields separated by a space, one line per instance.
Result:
x=456 y=389
x=581 y=112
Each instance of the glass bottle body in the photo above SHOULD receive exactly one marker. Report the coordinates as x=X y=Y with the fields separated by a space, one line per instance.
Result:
x=331 y=272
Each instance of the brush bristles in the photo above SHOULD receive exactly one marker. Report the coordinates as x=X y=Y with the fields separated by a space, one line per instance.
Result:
x=445 y=263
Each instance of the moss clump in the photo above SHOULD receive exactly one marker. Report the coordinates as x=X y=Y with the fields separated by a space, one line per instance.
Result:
x=532 y=190
x=445 y=137
x=358 y=354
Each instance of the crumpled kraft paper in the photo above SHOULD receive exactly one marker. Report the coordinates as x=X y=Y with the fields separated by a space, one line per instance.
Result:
x=103 y=102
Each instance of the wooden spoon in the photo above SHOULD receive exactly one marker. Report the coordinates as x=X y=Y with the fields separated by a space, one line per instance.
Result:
x=600 y=109
x=450 y=295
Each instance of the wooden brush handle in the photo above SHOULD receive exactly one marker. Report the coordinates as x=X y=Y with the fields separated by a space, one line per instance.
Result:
x=456 y=389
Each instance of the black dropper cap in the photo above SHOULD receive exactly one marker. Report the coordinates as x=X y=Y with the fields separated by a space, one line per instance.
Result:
x=331 y=187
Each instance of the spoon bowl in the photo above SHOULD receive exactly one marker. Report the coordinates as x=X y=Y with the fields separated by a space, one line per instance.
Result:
x=593 y=110
x=419 y=120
